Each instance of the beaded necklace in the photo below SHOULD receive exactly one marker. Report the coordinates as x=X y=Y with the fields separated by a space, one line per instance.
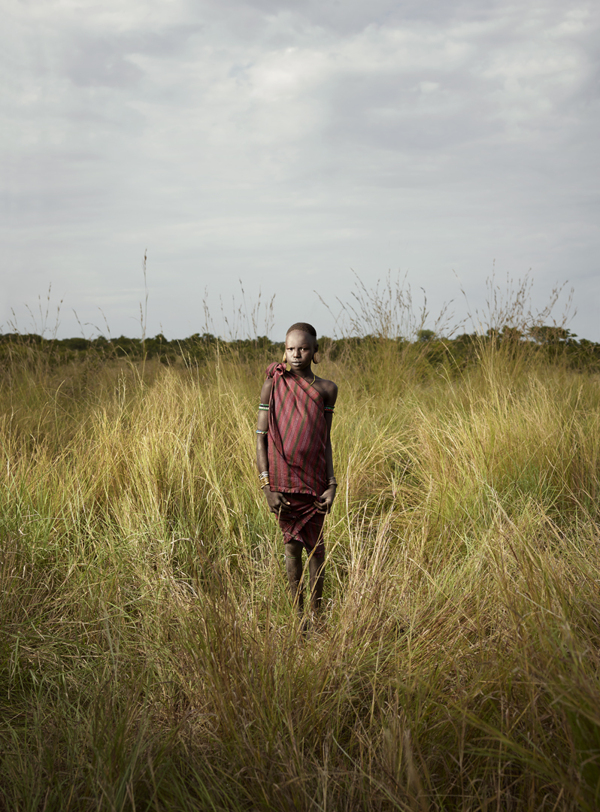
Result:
x=306 y=379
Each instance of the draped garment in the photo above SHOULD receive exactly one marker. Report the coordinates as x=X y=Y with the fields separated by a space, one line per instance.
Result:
x=297 y=440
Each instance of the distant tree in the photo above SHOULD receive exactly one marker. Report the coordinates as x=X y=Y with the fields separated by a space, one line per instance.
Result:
x=551 y=334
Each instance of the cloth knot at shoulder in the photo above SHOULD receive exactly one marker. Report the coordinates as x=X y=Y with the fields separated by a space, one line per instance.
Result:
x=274 y=369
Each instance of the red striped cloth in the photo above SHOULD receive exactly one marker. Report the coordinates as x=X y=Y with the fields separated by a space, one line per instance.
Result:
x=297 y=435
x=296 y=446
x=302 y=522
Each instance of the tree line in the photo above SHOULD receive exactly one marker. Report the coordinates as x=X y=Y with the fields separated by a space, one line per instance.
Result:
x=547 y=341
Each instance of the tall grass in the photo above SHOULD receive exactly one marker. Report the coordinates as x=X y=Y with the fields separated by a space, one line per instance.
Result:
x=150 y=659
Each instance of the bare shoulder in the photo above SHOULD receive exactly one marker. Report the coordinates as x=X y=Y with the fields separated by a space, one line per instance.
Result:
x=265 y=392
x=328 y=390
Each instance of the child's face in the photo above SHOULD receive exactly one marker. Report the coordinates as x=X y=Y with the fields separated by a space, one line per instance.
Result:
x=300 y=349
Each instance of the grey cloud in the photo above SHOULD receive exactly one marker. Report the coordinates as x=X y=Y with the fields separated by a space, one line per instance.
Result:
x=239 y=138
x=388 y=113
x=351 y=16
x=100 y=62
x=92 y=60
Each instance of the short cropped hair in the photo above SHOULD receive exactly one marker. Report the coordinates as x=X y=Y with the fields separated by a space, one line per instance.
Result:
x=303 y=327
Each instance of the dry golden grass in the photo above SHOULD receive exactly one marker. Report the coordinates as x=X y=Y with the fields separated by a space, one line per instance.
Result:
x=150 y=658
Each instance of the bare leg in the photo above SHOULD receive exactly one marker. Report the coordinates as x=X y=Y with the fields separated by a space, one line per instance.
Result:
x=316 y=567
x=293 y=566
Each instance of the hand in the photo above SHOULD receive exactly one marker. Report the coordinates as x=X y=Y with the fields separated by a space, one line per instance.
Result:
x=277 y=501
x=326 y=501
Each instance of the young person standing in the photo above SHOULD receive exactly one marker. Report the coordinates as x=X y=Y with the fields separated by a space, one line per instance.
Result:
x=294 y=457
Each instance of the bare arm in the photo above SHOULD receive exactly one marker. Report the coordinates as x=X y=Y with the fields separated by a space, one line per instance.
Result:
x=326 y=501
x=262 y=460
x=276 y=501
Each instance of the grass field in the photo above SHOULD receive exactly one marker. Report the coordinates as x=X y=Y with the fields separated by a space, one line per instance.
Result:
x=149 y=655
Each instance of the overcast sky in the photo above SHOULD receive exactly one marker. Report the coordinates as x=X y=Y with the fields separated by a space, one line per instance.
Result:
x=288 y=144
